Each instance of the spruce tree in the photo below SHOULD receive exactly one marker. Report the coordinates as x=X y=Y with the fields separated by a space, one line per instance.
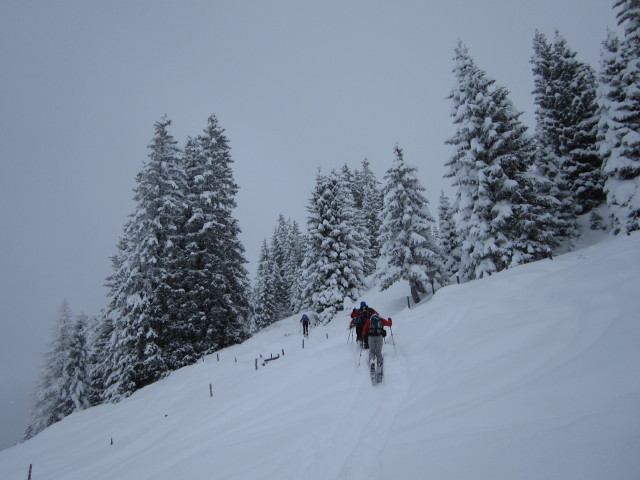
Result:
x=266 y=306
x=501 y=221
x=369 y=201
x=449 y=244
x=332 y=267
x=76 y=368
x=49 y=395
x=358 y=220
x=64 y=385
x=619 y=127
x=216 y=232
x=280 y=251
x=143 y=296
x=293 y=265
x=566 y=129
x=408 y=250
x=99 y=335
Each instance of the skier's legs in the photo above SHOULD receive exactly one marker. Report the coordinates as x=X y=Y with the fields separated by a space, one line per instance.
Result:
x=375 y=350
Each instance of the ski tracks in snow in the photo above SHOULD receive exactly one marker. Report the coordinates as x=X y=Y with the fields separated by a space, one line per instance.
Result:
x=354 y=447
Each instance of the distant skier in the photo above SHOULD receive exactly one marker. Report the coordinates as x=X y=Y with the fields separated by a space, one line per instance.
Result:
x=374 y=331
x=305 y=324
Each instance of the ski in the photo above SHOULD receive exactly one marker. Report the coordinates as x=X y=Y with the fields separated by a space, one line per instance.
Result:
x=376 y=374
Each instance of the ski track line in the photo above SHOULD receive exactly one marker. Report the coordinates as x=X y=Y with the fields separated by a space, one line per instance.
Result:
x=351 y=452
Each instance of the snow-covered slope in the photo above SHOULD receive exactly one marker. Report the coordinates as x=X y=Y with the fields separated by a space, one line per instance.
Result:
x=533 y=373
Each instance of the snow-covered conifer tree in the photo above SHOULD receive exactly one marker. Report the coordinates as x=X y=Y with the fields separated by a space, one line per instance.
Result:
x=500 y=222
x=449 y=244
x=286 y=253
x=294 y=261
x=77 y=368
x=566 y=127
x=332 y=267
x=619 y=126
x=99 y=334
x=63 y=387
x=142 y=297
x=368 y=202
x=408 y=250
x=358 y=220
x=266 y=306
x=214 y=233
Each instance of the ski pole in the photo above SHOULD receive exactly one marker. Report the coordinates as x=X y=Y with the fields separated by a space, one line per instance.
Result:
x=393 y=341
x=350 y=335
x=360 y=357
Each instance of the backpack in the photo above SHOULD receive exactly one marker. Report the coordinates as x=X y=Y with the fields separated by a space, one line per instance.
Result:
x=305 y=318
x=375 y=327
x=365 y=313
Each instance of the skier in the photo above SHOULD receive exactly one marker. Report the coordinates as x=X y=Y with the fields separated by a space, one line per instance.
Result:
x=364 y=313
x=305 y=324
x=355 y=322
x=374 y=330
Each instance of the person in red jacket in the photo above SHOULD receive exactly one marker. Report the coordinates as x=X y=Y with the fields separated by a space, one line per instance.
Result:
x=359 y=318
x=374 y=331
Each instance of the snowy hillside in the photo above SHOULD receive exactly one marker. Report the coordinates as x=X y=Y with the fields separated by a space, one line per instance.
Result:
x=533 y=373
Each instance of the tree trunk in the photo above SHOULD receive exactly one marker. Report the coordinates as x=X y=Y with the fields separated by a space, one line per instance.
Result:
x=414 y=293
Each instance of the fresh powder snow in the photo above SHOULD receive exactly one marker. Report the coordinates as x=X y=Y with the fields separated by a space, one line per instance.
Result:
x=532 y=373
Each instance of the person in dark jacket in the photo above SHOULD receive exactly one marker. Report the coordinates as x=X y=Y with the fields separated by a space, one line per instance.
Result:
x=355 y=322
x=305 y=325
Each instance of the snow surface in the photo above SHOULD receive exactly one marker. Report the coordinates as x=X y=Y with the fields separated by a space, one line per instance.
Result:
x=532 y=373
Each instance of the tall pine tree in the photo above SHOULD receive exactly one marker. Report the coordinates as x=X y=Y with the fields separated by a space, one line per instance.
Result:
x=619 y=127
x=64 y=385
x=265 y=297
x=566 y=129
x=143 y=295
x=501 y=221
x=332 y=267
x=449 y=244
x=212 y=237
x=368 y=203
x=408 y=250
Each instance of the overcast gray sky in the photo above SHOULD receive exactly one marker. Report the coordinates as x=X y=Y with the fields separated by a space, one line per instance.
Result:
x=296 y=84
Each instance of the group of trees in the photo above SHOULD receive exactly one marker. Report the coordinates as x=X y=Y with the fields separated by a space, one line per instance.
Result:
x=518 y=196
x=179 y=289
x=317 y=271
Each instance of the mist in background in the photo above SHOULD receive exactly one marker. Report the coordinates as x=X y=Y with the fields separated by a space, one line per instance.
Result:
x=297 y=86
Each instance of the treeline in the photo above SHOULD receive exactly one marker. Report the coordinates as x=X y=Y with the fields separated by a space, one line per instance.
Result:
x=179 y=289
